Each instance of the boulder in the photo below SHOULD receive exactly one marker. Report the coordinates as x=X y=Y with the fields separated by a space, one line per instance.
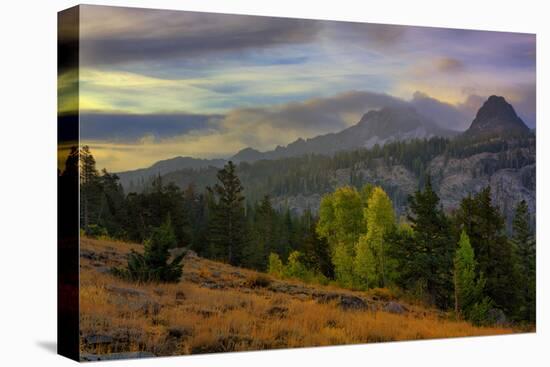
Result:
x=326 y=297
x=394 y=307
x=88 y=254
x=191 y=254
x=496 y=316
x=131 y=292
x=178 y=251
x=348 y=303
x=98 y=339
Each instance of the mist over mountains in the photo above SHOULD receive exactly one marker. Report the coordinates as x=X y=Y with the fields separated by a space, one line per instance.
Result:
x=375 y=127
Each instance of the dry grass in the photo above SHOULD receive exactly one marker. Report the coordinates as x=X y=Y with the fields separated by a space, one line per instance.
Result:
x=193 y=316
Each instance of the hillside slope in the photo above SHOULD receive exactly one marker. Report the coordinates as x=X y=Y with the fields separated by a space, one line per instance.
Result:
x=219 y=308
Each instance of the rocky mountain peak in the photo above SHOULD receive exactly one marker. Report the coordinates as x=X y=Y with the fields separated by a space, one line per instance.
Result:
x=247 y=154
x=496 y=117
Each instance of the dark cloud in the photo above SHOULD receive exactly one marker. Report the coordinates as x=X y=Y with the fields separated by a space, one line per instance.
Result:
x=132 y=127
x=313 y=116
x=112 y=35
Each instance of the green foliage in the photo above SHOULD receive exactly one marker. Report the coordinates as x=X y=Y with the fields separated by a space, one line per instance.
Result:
x=469 y=298
x=494 y=253
x=343 y=261
x=478 y=314
x=525 y=252
x=263 y=223
x=275 y=266
x=316 y=250
x=96 y=231
x=163 y=236
x=90 y=188
x=341 y=223
x=227 y=230
x=354 y=224
x=365 y=274
x=372 y=264
x=425 y=255
x=295 y=268
x=341 y=218
x=153 y=264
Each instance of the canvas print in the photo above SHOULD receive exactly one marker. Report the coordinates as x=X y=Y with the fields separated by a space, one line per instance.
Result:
x=232 y=183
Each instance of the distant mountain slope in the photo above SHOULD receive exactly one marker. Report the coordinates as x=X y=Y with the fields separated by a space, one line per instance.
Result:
x=496 y=118
x=375 y=127
x=136 y=177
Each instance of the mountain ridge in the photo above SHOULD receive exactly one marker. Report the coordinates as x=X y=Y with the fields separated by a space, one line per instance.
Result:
x=375 y=127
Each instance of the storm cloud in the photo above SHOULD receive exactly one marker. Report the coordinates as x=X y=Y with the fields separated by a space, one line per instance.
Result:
x=115 y=35
x=124 y=127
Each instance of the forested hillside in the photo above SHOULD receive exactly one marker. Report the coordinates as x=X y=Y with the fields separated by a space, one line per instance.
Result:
x=463 y=260
x=457 y=168
x=448 y=222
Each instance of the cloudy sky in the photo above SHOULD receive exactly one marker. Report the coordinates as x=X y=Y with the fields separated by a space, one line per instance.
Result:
x=157 y=84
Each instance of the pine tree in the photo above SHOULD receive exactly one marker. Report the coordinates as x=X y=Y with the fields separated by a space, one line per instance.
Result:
x=431 y=251
x=316 y=251
x=525 y=249
x=90 y=195
x=112 y=212
x=485 y=227
x=262 y=223
x=227 y=227
x=153 y=264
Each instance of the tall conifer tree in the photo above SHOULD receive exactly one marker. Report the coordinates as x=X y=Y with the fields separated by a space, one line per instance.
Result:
x=227 y=228
x=432 y=247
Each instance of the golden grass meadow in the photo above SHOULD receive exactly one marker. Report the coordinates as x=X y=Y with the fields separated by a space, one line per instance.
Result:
x=219 y=308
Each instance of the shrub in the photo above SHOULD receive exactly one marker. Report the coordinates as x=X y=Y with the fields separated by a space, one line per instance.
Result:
x=478 y=314
x=259 y=281
x=275 y=266
x=153 y=265
x=321 y=279
x=96 y=231
x=295 y=268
